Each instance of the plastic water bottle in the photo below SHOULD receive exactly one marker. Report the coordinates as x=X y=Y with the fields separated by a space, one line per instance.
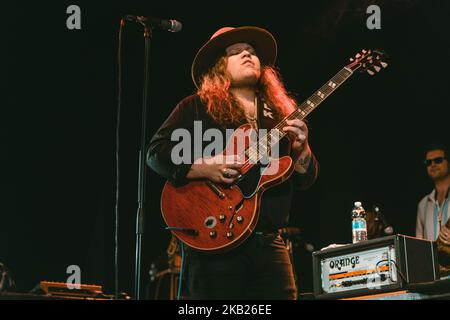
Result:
x=359 y=225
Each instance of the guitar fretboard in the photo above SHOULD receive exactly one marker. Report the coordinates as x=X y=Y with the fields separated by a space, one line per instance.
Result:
x=276 y=134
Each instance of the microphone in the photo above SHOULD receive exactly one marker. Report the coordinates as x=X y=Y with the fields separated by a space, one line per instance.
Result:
x=387 y=227
x=152 y=22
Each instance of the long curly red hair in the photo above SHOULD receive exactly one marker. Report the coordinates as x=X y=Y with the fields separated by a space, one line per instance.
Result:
x=223 y=106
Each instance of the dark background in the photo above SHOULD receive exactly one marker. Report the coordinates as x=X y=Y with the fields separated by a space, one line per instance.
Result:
x=59 y=111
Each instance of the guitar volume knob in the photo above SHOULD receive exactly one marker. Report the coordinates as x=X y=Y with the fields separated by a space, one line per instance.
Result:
x=229 y=235
x=239 y=219
x=222 y=218
x=213 y=234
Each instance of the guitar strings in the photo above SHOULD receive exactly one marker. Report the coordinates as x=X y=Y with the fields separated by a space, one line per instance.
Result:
x=314 y=100
x=338 y=79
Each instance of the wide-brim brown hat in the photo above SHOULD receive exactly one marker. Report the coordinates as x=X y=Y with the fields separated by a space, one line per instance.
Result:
x=260 y=39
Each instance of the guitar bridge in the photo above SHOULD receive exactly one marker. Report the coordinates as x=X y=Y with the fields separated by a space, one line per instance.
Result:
x=215 y=189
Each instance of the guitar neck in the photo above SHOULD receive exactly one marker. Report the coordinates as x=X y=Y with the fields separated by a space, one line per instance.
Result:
x=276 y=134
x=319 y=96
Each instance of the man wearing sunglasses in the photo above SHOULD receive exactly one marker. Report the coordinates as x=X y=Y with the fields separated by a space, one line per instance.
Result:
x=433 y=211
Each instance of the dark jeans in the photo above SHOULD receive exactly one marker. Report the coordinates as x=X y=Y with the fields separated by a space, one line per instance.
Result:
x=260 y=268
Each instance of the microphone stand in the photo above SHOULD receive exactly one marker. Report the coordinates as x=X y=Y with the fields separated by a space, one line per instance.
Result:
x=140 y=216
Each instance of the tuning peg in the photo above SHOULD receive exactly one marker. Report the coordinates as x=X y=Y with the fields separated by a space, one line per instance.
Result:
x=351 y=59
x=383 y=64
x=377 y=68
x=370 y=72
x=357 y=56
x=363 y=51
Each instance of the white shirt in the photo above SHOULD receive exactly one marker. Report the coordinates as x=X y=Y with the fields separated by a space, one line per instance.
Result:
x=431 y=216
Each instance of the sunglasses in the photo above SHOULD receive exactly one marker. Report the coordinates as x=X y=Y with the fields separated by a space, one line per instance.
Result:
x=437 y=160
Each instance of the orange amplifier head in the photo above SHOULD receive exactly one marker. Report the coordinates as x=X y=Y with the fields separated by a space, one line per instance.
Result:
x=374 y=266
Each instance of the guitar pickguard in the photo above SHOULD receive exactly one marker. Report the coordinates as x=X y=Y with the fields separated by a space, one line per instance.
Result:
x=250 y=181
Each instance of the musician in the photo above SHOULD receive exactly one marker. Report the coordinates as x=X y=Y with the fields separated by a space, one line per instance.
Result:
x=237 y=83
x=434 y=210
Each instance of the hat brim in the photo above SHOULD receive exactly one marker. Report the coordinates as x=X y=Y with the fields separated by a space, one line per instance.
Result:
x=261 y=40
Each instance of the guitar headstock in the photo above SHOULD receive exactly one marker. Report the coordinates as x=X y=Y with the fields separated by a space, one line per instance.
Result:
x=370 y=61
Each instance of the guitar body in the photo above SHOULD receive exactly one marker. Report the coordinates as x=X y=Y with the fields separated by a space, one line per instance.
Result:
x=444 y=255
x=215 y=218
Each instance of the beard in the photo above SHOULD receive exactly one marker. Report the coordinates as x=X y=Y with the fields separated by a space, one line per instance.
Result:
x=249 y=79
x=439 y=175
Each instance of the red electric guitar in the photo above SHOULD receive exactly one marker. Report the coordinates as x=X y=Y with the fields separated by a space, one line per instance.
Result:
x=214 y=218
